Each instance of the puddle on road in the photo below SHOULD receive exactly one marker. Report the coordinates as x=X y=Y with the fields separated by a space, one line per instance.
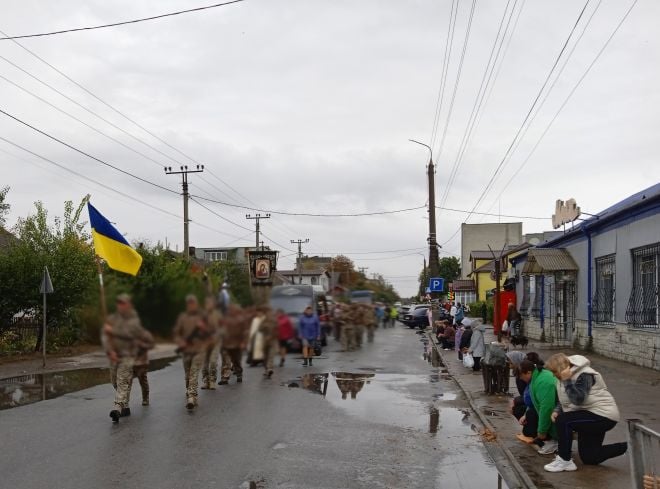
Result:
x=28 y=389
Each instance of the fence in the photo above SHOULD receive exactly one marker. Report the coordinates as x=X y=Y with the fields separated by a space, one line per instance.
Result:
x=644 y=449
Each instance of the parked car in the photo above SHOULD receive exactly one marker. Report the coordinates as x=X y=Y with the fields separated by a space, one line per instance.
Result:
x=416 y=318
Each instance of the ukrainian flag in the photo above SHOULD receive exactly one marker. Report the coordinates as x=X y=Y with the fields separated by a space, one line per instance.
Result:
x=110 y=245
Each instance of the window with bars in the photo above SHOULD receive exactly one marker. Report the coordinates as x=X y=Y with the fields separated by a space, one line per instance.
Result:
x=642 y=310
x=604 y=299
x=524 y=306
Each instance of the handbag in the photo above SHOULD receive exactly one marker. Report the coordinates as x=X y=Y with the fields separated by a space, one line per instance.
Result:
x=468 y=361
x=505 y=326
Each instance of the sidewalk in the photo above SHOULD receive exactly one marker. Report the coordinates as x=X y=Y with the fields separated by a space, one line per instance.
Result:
x=634 y=388
x=93 y=359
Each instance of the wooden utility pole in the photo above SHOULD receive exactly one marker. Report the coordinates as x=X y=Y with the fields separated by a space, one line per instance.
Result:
x=257 y=218
x=300 y=242
x=184 y=184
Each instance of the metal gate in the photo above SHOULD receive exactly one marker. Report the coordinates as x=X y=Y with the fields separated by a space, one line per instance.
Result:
x=561 y=308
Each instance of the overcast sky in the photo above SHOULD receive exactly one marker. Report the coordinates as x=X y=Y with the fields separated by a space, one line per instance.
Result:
x=308 y=105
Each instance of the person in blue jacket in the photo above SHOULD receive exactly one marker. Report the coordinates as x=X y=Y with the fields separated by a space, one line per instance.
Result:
x=309 y=330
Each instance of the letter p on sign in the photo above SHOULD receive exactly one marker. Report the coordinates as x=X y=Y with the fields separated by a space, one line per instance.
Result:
x=437 y=284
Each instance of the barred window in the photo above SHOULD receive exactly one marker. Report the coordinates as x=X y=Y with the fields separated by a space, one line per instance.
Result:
x=524 y=306
x=605 y=296
x=642 y=310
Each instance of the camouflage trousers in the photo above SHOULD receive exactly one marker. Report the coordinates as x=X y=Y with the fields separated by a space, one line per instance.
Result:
x=231 y=362
x=270 y=350
x=140 y=373
x=121 y=377
x=192 y=364
x=359 y=335
x=210 y=364
x=347 y=337
x=370 y=332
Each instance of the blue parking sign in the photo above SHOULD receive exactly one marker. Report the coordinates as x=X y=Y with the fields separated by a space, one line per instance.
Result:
x=437 y=284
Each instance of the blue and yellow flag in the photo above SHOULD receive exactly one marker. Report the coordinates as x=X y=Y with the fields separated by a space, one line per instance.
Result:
x=110 y=245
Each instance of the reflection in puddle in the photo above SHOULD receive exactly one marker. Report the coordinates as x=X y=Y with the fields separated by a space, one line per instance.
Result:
x=351 y=383
x=28 y=389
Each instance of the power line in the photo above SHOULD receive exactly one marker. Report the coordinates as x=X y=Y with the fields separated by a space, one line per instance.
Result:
x=308 y=214
x=527 y=116
x=73 y=172
x=218 y=215
x=125 y=22
x=87 y=154
x=445 y=66
x=492 y=214
x=571 y=93
x=458 y=79
x=478 y=101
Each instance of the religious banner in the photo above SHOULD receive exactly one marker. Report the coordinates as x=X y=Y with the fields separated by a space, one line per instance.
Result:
x=263 y=264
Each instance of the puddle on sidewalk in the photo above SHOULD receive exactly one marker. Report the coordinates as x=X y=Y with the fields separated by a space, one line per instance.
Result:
x=28 y=389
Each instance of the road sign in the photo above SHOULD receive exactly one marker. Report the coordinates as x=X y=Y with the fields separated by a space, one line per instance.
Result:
x=46 y=284
x=437 y=284
x=428 y=290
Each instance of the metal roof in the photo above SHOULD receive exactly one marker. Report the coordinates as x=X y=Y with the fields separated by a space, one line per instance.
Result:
x=542 y=260
x=481 y=255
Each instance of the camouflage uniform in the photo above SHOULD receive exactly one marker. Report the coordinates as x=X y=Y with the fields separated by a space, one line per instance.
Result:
x=358 y=321
x=127 y=332
x=346 y=320
x=369 y=321
x=191 y=330
x=235 y=337
x=212 y=352
x=141 y=366
x=269 y=329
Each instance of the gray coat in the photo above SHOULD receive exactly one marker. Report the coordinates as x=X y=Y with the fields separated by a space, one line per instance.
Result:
x=477 y=343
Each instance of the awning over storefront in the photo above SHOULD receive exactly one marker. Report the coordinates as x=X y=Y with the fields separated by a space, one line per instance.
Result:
x=548 y=260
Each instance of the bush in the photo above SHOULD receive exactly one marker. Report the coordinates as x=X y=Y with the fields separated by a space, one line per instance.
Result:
x=475 y=310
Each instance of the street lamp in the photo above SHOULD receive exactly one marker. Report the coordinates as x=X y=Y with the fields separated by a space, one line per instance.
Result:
x=434 y=259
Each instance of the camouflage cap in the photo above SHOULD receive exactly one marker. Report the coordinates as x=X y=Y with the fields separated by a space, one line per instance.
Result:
x=125 y=298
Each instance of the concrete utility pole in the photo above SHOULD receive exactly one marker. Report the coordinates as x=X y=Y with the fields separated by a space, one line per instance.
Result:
x=184 y=184
x=434 y=258
x=257 y=218
x=300 y=242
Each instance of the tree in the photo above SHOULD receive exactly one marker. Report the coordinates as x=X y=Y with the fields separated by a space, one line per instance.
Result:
x=345 y=267
x=4 y=206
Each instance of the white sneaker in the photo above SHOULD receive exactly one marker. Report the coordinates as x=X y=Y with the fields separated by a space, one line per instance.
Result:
x=549 y=447
x=560 y=465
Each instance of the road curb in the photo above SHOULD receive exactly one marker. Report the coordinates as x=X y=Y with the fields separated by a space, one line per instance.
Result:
x=522 y=479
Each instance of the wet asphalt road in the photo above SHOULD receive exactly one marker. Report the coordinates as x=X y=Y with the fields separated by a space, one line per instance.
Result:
x=405 y=429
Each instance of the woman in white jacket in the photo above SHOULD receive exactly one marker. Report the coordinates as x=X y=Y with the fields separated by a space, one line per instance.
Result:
x=585 y=407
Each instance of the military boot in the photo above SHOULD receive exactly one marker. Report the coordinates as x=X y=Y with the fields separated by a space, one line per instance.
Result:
x=125 y=412
x=191 y=403
x=115 y=415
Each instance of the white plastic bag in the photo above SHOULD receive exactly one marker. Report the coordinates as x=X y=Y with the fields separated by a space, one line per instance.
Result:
x=468 y=361
x=505 y=326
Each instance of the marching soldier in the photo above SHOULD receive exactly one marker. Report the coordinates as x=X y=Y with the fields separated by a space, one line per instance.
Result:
x=369 y=320
x=141 y=367
x=269 y=328
x=346 y=321
x=212 y=351
x=234 y=342
x=121 y=337
x=358 y=320
x=191 y=334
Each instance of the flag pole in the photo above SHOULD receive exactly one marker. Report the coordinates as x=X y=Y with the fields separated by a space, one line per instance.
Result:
x=104 y=306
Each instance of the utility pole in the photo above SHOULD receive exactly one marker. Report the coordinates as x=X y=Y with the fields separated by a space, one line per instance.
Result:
x=300 y=242
x=434 y=258
x=257 y=218
x=184 y=184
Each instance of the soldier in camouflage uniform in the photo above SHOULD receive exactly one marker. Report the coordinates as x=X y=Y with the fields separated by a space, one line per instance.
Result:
x=191 y=334
x=358 y=320
x=369 y=320
x=269 y=329
x=236 y=326
x=346 y=320
x=141 y=366
x=212 y=352
x=121 y=336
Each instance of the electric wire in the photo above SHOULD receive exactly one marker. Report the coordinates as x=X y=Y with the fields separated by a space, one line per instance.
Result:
x=125 y=22
x=570 y=95
x=44 y=133
x=476 y=107
x=458 y=79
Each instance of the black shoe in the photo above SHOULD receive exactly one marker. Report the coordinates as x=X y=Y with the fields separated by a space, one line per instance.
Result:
x=305 y=363
x=115 y=415
x=223 y=382
x=269 y=374
x=310 y=362
x=125 y=412
x=190 y=404
x=239 y=379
